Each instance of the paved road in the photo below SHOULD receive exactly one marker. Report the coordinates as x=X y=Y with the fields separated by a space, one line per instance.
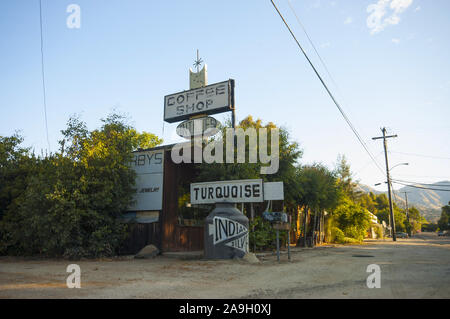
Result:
x=410 y=268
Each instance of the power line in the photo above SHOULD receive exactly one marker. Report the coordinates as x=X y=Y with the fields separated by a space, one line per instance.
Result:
x=421 y=155
x=318 y=55
x=43 y=74
x=429 y=188
x=365 y=165
x=312 y=44
x=434 y=184
x=425 y=176
x=328 y=91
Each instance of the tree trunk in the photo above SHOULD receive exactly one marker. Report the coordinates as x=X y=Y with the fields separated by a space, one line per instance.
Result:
x=314 y=228
x=305 y=211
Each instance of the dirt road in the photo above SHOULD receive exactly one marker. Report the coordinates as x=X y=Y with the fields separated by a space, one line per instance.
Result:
x=410 y=268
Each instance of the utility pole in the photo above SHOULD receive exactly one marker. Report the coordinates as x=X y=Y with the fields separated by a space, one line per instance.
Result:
x=391 y=208
x=407 y=212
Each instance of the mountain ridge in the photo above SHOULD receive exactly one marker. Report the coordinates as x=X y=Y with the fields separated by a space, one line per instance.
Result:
x=427 y=199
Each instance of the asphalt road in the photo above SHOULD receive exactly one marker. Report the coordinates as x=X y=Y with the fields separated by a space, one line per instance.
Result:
x=418 y=267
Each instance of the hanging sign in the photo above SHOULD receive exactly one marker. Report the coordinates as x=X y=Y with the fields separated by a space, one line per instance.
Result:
x=211 y=99
x=206 y=126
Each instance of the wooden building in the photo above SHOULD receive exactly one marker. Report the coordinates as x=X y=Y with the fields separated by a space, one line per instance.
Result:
x=167 y=228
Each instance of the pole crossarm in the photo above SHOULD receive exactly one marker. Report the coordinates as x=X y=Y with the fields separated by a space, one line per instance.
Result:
x=387 y=136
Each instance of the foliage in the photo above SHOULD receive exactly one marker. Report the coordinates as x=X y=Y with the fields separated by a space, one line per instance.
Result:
x=352 y=219
x=316 y=188
x=72 y=200
x=14 y=168
x=263 y=236
x=288 y=151
x=429 y=227
x=338 y=236
x=345 y=178
x=378 y=230
x=444 y=221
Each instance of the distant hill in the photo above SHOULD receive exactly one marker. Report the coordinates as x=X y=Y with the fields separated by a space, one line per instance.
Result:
x=429 y=202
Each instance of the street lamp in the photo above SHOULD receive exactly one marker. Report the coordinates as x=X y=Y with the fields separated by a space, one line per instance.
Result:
x=377 y=184
x=398 y=165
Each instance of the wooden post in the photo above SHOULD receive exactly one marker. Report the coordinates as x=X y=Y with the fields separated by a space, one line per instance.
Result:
x=289 y=238
x=305 y=211
x=252 y=216
x=278 y=245
x=314 y=228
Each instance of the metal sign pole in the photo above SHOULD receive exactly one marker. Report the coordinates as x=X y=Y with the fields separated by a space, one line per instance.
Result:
x=278 y=245
x=289 y=239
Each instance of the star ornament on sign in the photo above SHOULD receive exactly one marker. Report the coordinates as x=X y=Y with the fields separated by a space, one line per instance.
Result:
x=198 y=62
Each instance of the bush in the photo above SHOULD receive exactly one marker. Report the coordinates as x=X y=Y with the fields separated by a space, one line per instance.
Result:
x=264 y=236
x=72 y=200
x=351 y=220
x=378 y=231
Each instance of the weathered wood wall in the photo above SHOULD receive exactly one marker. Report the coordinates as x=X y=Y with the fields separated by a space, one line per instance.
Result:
x=175 y=237
x=140 y=236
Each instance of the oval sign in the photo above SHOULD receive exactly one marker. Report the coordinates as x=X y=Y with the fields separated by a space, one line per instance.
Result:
x=206 y=126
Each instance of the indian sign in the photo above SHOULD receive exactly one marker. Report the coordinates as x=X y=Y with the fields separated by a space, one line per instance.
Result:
x=235 y=233
x=239 y=191
x=211 y=99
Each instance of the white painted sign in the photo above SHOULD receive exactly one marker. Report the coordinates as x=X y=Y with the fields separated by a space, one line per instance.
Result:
x=211 y=99
x=149 y=180
x=147 y=162
x=235 y=233
x=239 y=191
x=206 y=126
x=225 y=229
x=240 y=243
x=273 y=191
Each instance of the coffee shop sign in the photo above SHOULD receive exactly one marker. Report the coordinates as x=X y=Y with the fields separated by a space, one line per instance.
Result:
x=211 y=99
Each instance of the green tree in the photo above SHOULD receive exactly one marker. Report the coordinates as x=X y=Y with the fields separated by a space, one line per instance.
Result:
x=416 y=220
x=316 y=191
x=14 y=167
x=444 y=221
x=289 y=153
x=74 y=198
x=345 y=178
x=352 y=219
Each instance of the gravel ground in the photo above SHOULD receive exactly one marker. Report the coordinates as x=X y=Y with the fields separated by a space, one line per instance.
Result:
x=418 y=267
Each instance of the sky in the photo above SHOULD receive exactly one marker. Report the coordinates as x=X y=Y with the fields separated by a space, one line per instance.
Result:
x=388 y=60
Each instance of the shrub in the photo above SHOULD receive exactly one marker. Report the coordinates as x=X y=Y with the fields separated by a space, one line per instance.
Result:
x=264 y=236
x=72 y=199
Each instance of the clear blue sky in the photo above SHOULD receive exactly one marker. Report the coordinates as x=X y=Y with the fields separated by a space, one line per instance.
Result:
x=129 y=54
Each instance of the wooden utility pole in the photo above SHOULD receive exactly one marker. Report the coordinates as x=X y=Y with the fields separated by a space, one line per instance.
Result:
x=391 y=208
x=407 y=212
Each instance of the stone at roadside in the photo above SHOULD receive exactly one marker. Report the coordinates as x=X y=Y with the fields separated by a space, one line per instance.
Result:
x=149 y=251
x=250 y=258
